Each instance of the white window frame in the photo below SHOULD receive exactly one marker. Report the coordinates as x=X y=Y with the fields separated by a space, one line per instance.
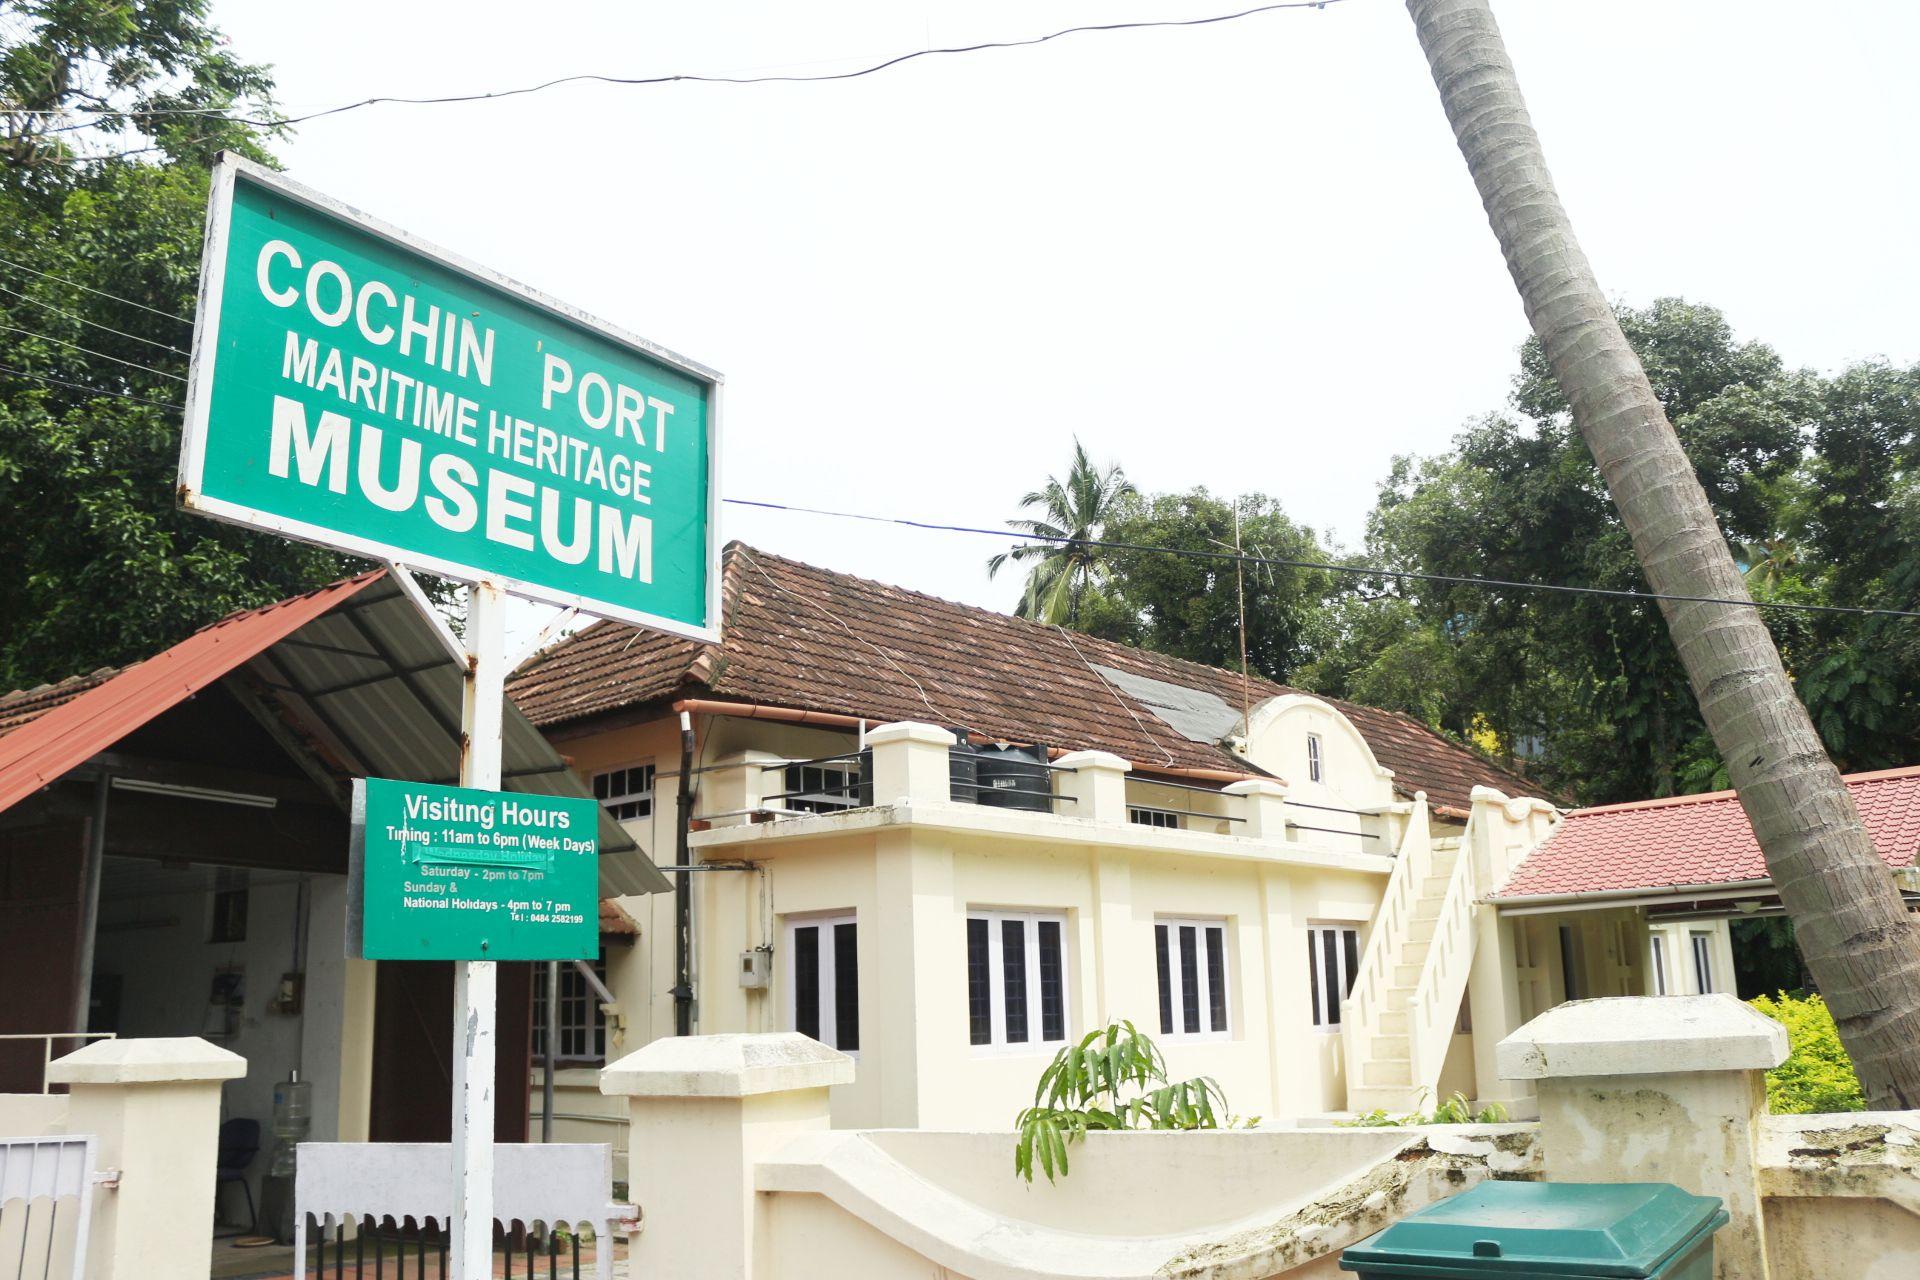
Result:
x=1035 y=1043
x=829 y=986
x=1316 y=759
x=581 y=1015
x=1204 y=987
x=831 y=796
x=1657 y=948
x=1344 y=978
x=610 y=800
x=1146 y=815
x=1700 y=951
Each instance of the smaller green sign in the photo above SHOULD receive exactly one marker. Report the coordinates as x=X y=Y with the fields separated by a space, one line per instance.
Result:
x=450 y=873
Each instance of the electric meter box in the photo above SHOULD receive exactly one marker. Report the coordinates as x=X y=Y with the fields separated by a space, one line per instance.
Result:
x=756 y=969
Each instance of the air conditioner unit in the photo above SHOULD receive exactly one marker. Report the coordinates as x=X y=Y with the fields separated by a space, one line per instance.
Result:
x=756 y=968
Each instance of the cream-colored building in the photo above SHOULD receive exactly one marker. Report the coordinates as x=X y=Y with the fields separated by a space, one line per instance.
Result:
x=874 y=865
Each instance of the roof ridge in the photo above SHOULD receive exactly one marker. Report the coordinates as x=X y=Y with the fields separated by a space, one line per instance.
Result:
x=1714 y=797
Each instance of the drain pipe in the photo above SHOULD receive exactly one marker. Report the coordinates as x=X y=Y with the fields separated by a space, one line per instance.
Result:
x=683 y=887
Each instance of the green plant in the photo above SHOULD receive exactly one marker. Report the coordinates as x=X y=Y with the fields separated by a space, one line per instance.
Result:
x=1817 y=1075
x=1455 y=1109
x=1081 y=1090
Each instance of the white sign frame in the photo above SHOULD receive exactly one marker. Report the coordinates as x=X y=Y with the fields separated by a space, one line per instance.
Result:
x=228 y=169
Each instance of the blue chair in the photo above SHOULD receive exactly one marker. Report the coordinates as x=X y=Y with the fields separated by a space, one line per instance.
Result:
x=239 y=1144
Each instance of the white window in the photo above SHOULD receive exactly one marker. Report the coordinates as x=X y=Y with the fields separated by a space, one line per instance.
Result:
x=1702 y=961
x=583 y=1023
x=1149 y=817
x=1191 y=959
x=627 y=793
x=1016 y=978
x=1314 y=769
x=1333 y=961
x=1659 y=944
x=824 y=979
x=821 y=788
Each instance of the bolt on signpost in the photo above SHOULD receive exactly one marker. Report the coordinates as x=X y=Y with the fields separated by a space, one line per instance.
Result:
x=356 y=388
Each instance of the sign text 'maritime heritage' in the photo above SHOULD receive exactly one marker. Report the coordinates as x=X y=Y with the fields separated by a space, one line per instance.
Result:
x=356 y=388
x=453 y=873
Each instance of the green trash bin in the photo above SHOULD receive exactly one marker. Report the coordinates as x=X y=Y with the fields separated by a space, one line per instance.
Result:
x=1535 y=1230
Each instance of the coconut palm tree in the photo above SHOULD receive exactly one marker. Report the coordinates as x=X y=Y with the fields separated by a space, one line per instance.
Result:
x=1859 y=942
x=1075 y=514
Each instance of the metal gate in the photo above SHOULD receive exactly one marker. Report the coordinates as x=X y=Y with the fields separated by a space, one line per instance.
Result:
x=380 y=1208
x=46 y=1206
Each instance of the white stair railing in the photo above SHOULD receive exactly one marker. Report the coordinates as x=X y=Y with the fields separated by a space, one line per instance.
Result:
x=1360 y=1014
x=1434 y=1008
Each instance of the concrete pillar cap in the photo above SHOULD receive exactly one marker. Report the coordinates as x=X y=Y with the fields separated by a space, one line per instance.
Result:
x=157 y=1060
x=910 y=731
x=726 y=1066
x=1642 y=1035
x=1094 y=760
x=1256 y=787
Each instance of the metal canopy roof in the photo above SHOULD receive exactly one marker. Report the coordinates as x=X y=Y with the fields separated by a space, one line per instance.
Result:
x=359 y=668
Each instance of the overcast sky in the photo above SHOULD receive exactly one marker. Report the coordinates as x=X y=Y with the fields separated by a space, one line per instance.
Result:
x=1246 y=256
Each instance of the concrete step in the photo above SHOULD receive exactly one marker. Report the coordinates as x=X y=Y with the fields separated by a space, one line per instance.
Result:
x=1421 y=930
x=1385 y=1047
x=1407 y=975
x=1392 y=1024
x=1393 y=1071
x=1434 y=887
x=1395 y=1000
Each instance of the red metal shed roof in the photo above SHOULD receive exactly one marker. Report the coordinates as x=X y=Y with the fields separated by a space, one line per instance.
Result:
x=1697 y=840
x=50 y=744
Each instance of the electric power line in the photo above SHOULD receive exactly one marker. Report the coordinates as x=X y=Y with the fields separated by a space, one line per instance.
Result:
x=101 y=293
x=1365 y=571
x=75 y=315
x=98 y=391
x=89 y=351
x=678 y=77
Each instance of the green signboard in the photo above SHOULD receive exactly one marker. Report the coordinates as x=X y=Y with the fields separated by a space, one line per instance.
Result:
x=451 y=873
x=354 y=387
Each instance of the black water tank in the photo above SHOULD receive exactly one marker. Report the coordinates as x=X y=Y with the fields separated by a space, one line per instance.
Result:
x=1014 y=778
x=963 y=769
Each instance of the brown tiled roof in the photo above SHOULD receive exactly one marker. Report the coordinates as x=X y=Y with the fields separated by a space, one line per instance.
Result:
x=23 y=706
x=809 y=639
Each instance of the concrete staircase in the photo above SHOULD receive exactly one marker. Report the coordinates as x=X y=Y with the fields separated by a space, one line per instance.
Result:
x=1398 y=1021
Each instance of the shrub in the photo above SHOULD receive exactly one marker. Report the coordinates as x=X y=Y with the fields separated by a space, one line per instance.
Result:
x=1454 y=1110
x=1081 y=1090
x=1817 y=1075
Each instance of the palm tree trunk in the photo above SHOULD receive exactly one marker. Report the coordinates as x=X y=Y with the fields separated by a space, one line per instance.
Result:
x=1859 y=942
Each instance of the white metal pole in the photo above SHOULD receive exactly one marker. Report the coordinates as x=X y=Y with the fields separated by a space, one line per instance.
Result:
x=475 y=982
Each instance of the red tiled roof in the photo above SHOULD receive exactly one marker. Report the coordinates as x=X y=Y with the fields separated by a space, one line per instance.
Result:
x=52 y=734
x=809 y=639
x=1697 y=840
x=614 y=920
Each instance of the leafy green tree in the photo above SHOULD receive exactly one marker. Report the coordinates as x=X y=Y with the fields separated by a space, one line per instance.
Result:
x=1818 y=1076
x=1590 y=687
x=99 y=263
x=1075 y=513
x=1189 y=606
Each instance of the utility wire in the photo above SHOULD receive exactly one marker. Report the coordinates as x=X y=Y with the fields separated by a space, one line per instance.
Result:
x=101 y=355
x=75 y=315
x=276 y=122
x=81 y=386
x=100 y=293
x=1358 y=570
